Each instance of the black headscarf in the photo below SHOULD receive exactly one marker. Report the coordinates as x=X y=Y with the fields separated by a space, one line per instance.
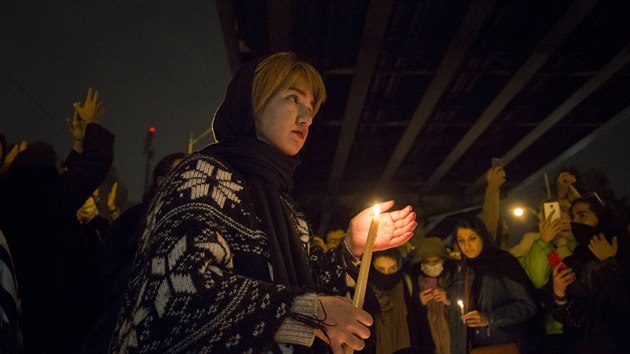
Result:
x=269 y=175
x=386 y=281
x=492 y=261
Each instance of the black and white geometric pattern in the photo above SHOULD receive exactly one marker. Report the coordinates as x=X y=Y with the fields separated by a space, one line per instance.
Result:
x=184 y=294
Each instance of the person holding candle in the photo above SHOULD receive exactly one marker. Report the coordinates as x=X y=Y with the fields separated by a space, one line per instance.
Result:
x=227 y=262
x=498 y=297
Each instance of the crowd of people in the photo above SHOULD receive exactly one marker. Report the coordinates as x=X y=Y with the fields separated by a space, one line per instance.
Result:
x=561 y=289
x=218 y=257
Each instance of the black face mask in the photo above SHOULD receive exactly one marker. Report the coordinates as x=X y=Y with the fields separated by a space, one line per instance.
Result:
x=383 y=281
x=584 y=233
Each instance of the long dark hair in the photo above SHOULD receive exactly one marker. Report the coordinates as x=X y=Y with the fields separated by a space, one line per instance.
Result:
x=476 y=224
x=492 y=261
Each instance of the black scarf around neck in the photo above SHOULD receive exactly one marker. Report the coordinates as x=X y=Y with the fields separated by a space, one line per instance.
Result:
x=269 y=176
x=496 y=263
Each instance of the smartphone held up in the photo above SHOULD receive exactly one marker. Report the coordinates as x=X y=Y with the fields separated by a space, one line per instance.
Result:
x=554 y=260
x=430 y=283
x=551 y=209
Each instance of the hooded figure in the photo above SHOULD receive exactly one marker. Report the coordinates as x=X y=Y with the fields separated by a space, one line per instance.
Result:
x=227 y=262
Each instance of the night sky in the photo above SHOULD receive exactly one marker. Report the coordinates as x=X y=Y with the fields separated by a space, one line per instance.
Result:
x=159 y=63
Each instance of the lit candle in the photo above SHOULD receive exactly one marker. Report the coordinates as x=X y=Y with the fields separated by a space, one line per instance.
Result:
x=364 y=271
x=460 y=303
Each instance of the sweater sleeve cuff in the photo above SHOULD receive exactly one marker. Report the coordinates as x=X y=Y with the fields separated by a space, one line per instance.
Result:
x=292 y=331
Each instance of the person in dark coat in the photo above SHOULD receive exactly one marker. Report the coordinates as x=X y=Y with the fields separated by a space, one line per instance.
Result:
x=393 y=325
x=591 y=288
x=431 y=273
x=118 y=250
x=38 y=205
x=497 y=296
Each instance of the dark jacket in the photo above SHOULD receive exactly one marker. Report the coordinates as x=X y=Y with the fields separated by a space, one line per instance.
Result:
x=598 y=312
x=507 y=303
x=422 y=339
x=38 y=215
x=372 y=305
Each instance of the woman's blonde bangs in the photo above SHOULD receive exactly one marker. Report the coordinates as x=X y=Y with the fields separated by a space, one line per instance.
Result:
x=279 y=70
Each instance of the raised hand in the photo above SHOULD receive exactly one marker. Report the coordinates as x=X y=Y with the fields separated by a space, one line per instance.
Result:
x=601 y=248
x=76 y=125
x=92 y=110
x=88 y=210
x=394 y=228
x=8 y=159
x=346 y=324
x=564 y=185
x=495 y=177
x=549 y=228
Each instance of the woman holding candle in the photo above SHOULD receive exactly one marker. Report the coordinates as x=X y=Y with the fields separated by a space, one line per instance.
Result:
x=496 y=294
x=227 y=262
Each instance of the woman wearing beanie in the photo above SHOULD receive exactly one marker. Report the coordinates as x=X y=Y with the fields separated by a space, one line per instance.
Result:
x=431 y=275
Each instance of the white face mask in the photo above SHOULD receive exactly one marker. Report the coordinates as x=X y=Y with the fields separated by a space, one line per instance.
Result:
x=432 y=271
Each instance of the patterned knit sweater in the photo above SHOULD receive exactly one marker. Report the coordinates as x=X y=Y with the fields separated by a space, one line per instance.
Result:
x=202 y=280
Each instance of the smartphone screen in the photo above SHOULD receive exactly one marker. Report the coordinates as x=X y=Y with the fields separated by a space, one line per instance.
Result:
x=430 y=283
x=550 y=207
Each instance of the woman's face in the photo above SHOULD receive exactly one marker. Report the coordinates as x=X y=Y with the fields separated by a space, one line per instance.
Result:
x=433 y=261
x=582 y=214
x=469 y=242
x=285 y=120
x=386 y=265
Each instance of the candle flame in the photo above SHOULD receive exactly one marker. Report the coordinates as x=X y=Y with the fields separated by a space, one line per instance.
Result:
x=460 y=303
x=377 y=210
